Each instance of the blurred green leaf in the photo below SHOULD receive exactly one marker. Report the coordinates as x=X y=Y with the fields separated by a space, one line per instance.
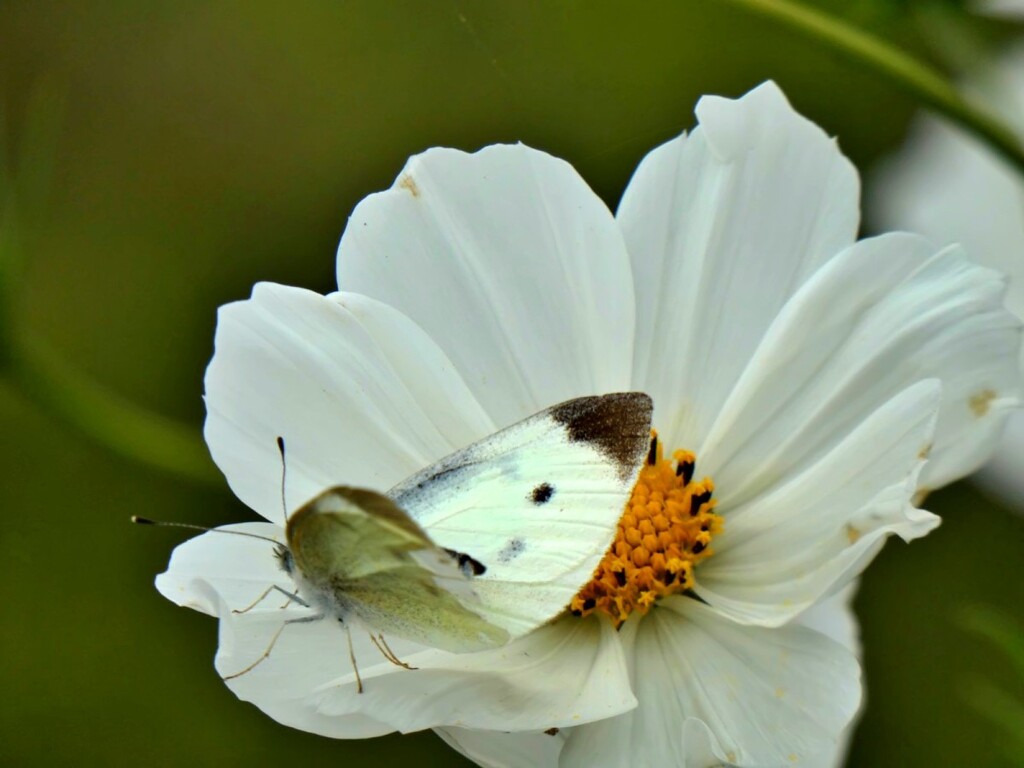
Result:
x=997 y=705
x=26 y=172
x=999 y=629
x=953 y=37
x=1005 y=712
x=31 y=365
x=128 y=430
x=37 y=148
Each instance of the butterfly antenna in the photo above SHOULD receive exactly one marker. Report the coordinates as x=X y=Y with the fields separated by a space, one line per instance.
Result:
x=284 y=475
x=146 y=521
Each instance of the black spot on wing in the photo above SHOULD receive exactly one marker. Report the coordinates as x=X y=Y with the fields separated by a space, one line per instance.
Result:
x=542 y=494
x=619 y=425
x=467 y=564
x=512 y=549
x=551 y=731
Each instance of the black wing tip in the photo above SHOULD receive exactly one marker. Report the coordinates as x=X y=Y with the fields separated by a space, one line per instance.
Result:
x=619 y=424
x=638 y=404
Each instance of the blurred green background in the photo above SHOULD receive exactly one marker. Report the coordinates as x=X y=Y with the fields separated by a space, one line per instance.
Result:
x=204 y=146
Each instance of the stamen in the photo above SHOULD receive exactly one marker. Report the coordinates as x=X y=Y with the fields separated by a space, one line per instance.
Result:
x=665 y=530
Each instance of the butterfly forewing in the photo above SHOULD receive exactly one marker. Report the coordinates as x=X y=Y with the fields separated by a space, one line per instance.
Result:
x=536 y=503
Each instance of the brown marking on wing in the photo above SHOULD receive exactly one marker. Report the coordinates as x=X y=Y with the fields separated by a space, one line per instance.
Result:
x=619 y=425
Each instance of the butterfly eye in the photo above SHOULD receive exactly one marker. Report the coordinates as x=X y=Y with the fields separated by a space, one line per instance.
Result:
x=284 y=558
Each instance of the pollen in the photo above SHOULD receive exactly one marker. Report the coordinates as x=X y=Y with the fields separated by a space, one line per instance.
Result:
x=664 y=532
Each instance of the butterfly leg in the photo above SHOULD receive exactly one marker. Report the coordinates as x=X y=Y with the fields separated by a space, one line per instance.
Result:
x=352 y=658
x=273 y=642
x=387 y=653
x=292 y=597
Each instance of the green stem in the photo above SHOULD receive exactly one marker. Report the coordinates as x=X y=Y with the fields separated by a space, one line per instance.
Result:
x=115 y=423
x=911 y=75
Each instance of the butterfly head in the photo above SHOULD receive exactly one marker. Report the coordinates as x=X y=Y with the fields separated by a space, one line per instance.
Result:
x=284 y=558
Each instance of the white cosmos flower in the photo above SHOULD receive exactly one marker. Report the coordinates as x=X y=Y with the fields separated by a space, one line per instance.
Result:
x=810 y=374
x=1009 y=9
x=952 y=189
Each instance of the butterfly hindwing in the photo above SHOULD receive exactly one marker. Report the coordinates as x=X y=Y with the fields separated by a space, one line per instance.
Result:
x=409 y=602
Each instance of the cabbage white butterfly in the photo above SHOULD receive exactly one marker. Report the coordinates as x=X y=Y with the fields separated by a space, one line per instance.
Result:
x=540 y=498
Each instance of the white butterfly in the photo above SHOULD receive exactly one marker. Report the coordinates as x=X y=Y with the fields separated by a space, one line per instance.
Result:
x=517 y=524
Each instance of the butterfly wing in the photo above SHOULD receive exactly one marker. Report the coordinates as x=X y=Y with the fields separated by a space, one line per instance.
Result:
x=360 y=554
x=536 y=504
x=409 y=602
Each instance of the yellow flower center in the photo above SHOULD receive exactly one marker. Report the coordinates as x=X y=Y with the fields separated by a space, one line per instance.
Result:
x=665 y=530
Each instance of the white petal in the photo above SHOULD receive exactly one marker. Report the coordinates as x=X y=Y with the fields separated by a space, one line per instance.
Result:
x=712 y=691
x=951 y=188
x=1003 y=476
x=834 y=618
x=218 y=568
x=494 y=749
x=298 y=714
x=225 y=576
x=565 y=673
x=568 y=672
x=304 y=656
x=359 y=393
x=781 y=552
x=511 y=263
x=835 y=354
x=1009 y=9
x=722 y=226
x=220 y=574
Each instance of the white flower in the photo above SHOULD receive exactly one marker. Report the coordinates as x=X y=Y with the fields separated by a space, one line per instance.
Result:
x=809 y=373
x=952 y=189
x=1009 y=9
